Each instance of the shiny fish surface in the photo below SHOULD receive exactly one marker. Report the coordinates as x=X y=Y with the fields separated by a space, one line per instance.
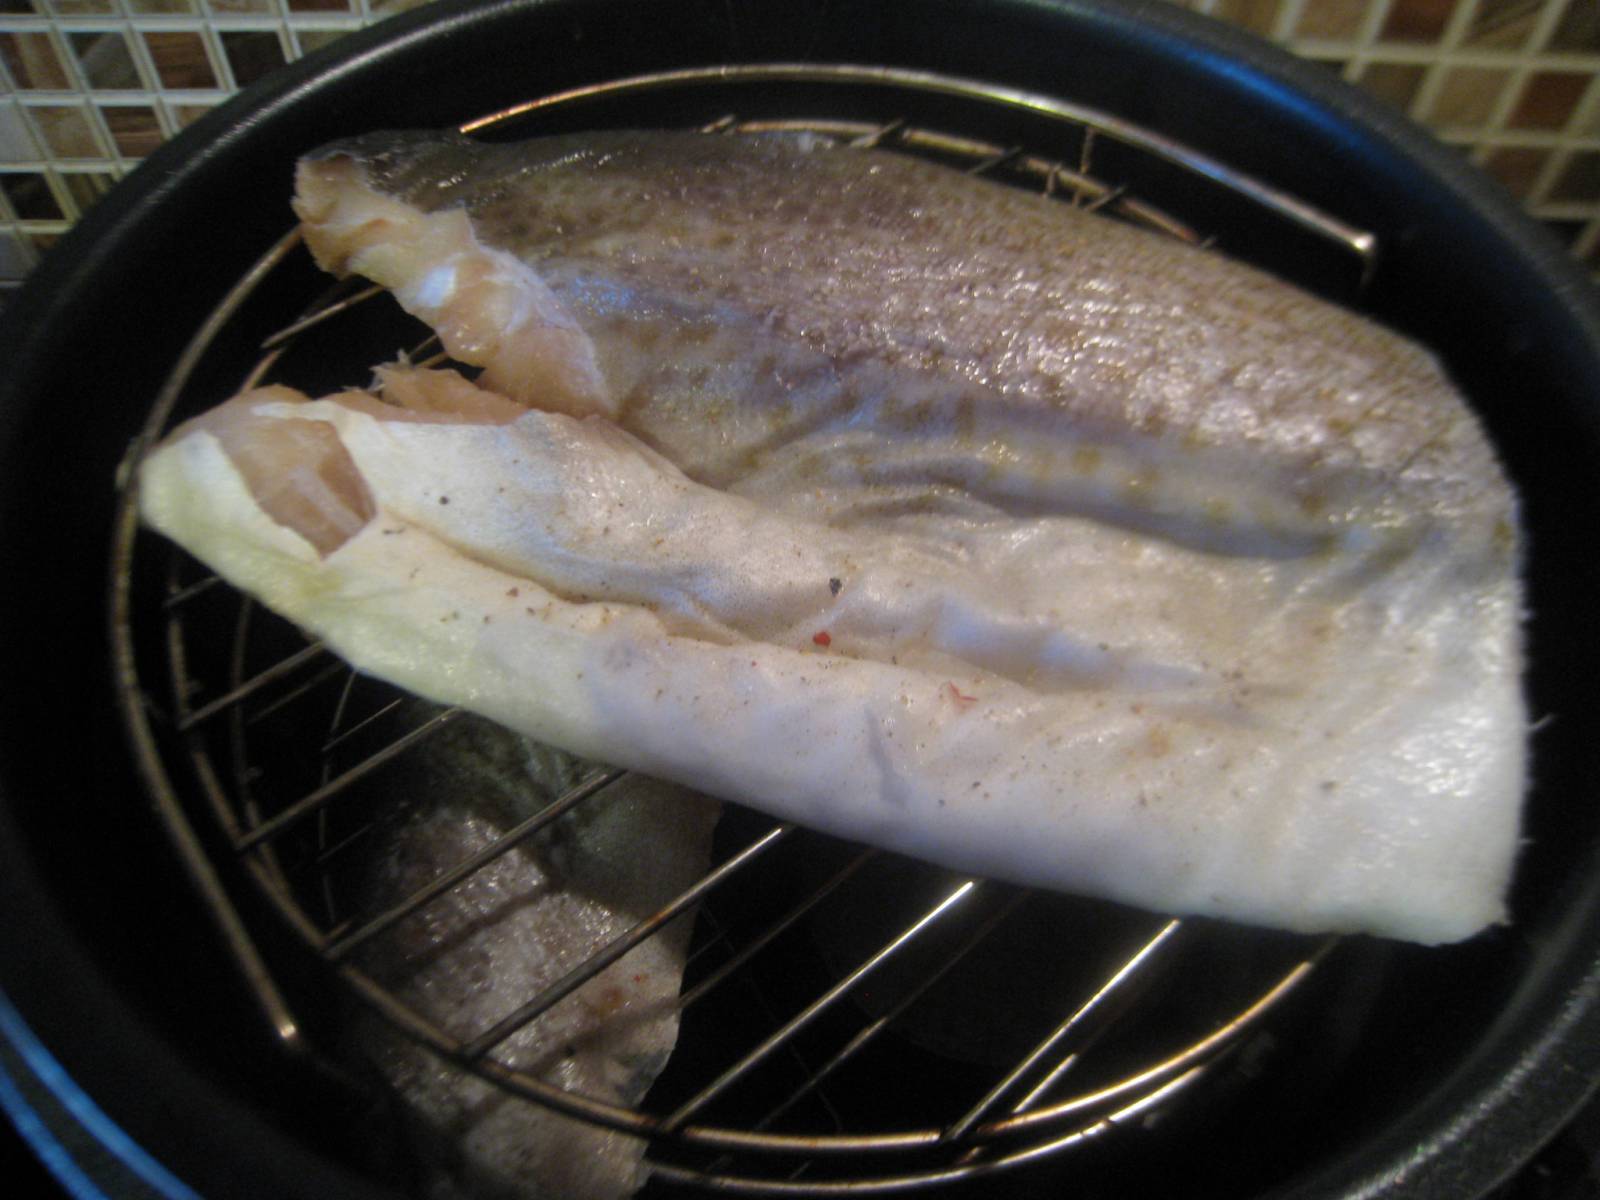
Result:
x=908 y=505
x=507 y=932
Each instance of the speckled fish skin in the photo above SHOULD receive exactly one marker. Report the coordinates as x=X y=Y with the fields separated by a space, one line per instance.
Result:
x=512 y=928
x=913 y=507
x=742 y=291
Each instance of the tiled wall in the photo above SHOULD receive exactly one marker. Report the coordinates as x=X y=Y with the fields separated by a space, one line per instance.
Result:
x=1515 y=84
x=88 y=87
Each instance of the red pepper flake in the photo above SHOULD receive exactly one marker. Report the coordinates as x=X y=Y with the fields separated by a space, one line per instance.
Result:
x=513 y=592
x=958 y=695
x=821 y=638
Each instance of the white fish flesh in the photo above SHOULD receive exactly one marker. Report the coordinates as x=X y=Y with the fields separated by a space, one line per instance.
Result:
x=908 y=505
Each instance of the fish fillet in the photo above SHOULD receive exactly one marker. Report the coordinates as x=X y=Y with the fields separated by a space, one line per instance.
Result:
x=510 y=930
x=910 y=506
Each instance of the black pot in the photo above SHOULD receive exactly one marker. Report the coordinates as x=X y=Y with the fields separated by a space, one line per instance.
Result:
x=1455 y=1064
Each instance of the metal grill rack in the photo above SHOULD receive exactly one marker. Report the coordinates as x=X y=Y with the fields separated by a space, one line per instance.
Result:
x=818 y=959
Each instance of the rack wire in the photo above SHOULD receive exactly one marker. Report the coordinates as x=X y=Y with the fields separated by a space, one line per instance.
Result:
x=271 y=744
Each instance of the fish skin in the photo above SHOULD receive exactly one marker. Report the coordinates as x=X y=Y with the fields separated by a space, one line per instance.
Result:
x=1265 y=541
x=1037 y=320
x=509 y=930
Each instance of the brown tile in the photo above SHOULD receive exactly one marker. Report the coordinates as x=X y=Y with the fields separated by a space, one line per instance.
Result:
x=1502 y=24
x=1395 y=82
x=21 y=6
x=316 y=39
x=252 y=53
x=16 y=139
x=30 y=196
x=1467 y=96
x=67 y=130
x=319 y=5
x=105 y=61
x=1331 y=19
x=32 y=60
x=1255 y=15
x=1336 y=65
x=1567 y=232
x=1579 y=179
x=86 y=187
x=1516 y=167
x=1578 y=30
x=1416 y=20
x=180 y=59
x=1548 y=98
x=42 y=241
x=161 y=6
x=234 y=7
x=135 y=128
x=83 y=8
x=186 y=114
x=14 y=258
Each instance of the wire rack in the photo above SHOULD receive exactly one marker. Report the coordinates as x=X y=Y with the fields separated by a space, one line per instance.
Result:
x=816 y=970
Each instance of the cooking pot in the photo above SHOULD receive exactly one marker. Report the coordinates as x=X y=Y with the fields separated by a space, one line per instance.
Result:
x=1390 y=1070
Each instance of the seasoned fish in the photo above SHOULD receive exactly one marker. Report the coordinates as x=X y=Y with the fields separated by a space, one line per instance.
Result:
x=905 y=504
